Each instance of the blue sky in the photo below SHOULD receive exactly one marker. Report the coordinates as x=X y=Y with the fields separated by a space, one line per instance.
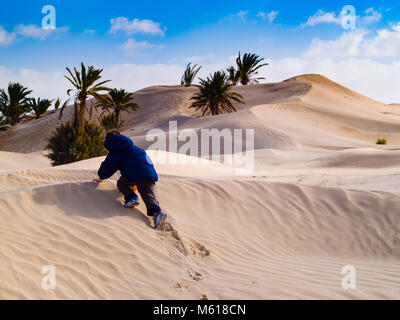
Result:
x=141 y=43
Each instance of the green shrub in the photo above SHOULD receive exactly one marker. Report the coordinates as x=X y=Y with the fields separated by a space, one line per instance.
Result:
x=381 y=141
x=3 y=123
x=69 y=145
x=108 y=122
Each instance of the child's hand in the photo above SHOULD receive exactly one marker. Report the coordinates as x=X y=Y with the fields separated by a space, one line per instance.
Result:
x=97 y=180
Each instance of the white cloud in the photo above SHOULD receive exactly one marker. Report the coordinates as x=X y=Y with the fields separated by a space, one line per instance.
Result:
x=136 y=26
x=321 y=17
x=262 y=15
x=371 y=16
x=347 y=45
x=129 y=76
x=377 y=80
x=134 y=77
x=385 y=43
x=131 y=45
x=200 y=58
x=351 y=61
x=38 y=81
x=27 y=31
x=241 y=15
x=89 y=31
x=6 y=38
x=271 y=16
x=33 y=31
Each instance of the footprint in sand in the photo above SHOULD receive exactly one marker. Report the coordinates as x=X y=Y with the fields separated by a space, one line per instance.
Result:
x=195 y=275
x=199 y=249
x=175 y=242
x=180 y=286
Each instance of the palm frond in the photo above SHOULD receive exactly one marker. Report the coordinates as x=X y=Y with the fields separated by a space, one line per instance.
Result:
x=247 y=67
x=117 y=100
x=189 y=75
x=85 y=84
x=62 y=108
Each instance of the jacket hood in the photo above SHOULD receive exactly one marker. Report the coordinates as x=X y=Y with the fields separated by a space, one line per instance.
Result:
x=118 y=143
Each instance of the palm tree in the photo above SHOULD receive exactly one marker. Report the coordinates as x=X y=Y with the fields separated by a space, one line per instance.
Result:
x=85 y=85
x=39 y=106
x=118 y=100
x=189 y=75
x=13 y=103
x=233 y=75
x=215 y=95
x=57 y=104
x=248 y=66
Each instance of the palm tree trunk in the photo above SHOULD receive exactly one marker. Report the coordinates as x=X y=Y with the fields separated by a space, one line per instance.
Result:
x=214 y=109
x=117 y=111
x=81 y=116
x=76 y=112
x=12 y=116
x=245 y=80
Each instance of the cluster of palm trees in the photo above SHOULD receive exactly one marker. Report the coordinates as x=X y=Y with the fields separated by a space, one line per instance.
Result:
x=215 y=93
x=87 y=84
x=16 y=103
x=246 y=69
x=83 y=138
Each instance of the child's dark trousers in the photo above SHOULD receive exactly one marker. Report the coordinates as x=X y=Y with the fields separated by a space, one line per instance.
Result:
x=146 y=190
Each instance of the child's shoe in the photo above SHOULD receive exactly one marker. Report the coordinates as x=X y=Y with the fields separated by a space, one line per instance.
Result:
x=133 y=202
x=159 y=219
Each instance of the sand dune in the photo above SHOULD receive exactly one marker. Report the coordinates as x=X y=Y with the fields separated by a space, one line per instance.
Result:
x=284 y=115
x=17 y=161
x=322 y=196
x=260 y=240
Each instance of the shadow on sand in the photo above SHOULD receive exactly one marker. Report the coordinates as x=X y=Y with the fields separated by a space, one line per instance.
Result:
x=87 y=200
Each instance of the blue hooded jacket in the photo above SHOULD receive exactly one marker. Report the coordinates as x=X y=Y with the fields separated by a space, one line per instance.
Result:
x=129 y=159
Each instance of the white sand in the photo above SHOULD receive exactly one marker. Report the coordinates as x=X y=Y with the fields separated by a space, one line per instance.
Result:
x=322 y=196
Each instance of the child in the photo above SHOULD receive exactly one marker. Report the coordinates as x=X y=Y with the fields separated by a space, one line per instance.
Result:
x=136 y=170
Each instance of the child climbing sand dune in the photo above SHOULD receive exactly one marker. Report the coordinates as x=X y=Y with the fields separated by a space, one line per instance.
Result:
x=137 y=173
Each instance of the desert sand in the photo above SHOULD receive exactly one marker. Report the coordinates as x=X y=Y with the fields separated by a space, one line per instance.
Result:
x=322 y=196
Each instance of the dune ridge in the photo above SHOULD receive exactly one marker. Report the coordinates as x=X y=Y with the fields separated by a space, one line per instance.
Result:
x=259 y=239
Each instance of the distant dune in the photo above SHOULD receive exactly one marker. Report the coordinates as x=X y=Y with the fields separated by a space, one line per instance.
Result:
x=322 y=196
x=309 y=110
